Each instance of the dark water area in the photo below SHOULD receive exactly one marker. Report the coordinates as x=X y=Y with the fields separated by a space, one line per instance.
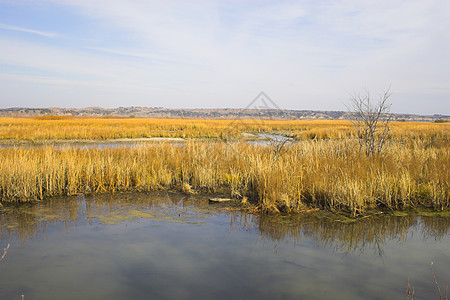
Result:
x=172 y=246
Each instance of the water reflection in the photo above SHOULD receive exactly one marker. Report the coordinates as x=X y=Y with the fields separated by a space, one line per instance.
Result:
x=173 y=246
x=26 y=221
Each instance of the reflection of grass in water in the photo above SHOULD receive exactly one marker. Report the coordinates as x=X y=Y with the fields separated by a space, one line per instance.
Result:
x=12 y=225
x=334 y=232
x=424 y=212
x=27 y=221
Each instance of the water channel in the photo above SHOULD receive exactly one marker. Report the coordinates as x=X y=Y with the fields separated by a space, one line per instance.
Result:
x=258 y=139
x=173 y=246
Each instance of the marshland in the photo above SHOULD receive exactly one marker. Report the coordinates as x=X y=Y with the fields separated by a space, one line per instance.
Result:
x=304 y=206
x=321 y=165
x=224 y=149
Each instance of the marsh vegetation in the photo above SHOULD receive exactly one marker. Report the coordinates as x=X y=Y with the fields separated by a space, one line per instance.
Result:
x=323 y=166
x=34 y=130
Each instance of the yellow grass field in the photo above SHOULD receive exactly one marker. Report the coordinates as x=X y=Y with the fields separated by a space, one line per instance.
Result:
x=60 y=128
x=326 y=174
x=323 y=168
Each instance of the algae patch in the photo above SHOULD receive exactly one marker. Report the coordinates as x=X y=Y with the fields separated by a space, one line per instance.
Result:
x=114 y=218
x=133 y=215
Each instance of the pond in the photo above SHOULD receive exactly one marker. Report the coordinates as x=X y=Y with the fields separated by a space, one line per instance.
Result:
x=173 y=246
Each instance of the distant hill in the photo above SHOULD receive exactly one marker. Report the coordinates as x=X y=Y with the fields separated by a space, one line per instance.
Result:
x=216 y=113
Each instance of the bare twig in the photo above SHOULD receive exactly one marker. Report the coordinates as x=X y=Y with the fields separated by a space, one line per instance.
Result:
x=437 y=285
x=278 y=145
x=446 y=292
x=410 y=291
x=5 y=250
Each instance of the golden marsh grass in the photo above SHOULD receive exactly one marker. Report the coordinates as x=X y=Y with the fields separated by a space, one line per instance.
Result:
x=39 y=129
x=330 y=174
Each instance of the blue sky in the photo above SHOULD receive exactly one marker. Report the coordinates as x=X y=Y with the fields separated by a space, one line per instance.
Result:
x=207 y=54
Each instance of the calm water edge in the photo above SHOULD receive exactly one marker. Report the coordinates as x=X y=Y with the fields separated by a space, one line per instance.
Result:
x=172 y=246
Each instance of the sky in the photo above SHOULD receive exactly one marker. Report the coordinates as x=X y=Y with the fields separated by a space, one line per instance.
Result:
x=223 y=53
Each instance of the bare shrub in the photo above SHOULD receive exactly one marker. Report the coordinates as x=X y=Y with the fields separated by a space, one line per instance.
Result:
x=371 y=121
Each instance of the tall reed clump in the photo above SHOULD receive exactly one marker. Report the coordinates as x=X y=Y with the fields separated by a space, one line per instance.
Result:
x=325 y=173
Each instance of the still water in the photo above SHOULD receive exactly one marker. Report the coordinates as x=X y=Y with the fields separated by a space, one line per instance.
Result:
x=130 y=143
x=89 y=145
x=172 y=246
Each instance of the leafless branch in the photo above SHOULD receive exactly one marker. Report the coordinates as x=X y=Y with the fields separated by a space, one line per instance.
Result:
x=437 y=285
x=278 y=145
x=410 y=291
x=371 y=121
x=5 y=250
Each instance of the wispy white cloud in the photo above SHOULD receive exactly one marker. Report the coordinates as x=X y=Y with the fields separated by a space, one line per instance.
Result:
x=75 y=68
x=46 y=80
x=306 y=54
x=28 y=30
x=134 y=53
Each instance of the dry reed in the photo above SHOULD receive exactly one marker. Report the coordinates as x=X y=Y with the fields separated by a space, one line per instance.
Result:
x=313 y=173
